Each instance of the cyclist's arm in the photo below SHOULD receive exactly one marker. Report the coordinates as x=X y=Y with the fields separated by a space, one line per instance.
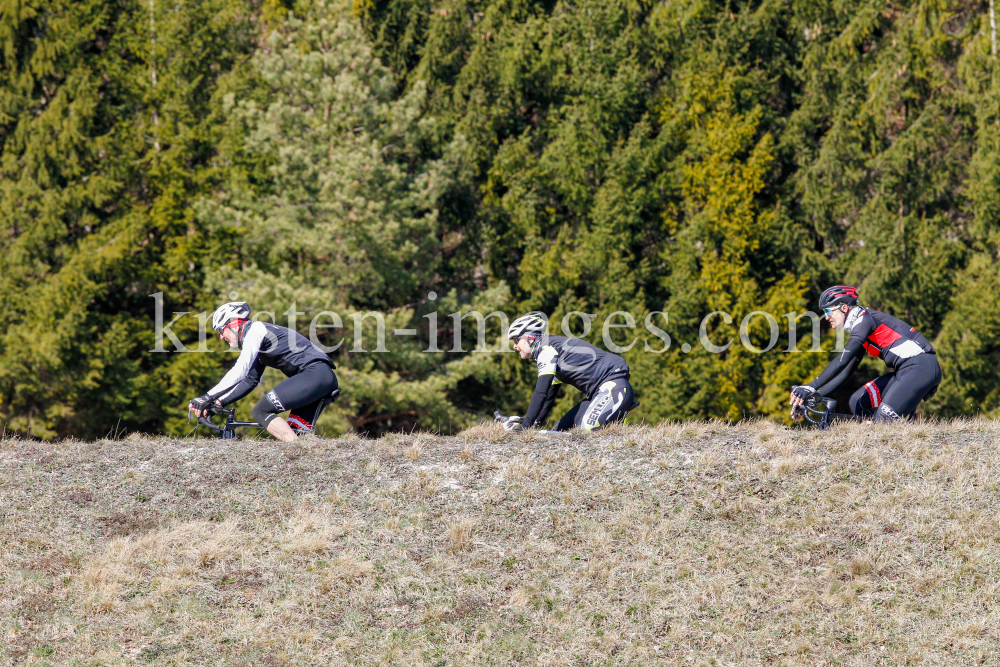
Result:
x=245 y=373
x=550 y=400
x=829 y=387
x=842 y=366
x=545 y=388
x=541 y=401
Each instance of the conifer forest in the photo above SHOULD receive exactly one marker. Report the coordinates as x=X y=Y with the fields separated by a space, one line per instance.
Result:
x=659 y=160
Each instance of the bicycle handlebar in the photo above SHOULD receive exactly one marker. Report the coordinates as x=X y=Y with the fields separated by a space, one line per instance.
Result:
x=811 y=411
x=204 y=421
x=813 y=396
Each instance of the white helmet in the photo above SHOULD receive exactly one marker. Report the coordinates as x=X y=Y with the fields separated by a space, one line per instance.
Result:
x=228 y=312
x=532 y=324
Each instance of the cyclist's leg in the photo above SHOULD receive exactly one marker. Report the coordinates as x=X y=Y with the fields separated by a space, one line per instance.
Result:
x=622 y=398
x=610 y=404
x=313 y=384
x=915 y=379
x=571 y=418
x=303 y=419
x=865 y=401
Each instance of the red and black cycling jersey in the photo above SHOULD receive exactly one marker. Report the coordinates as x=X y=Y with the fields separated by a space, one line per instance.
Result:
x=884 y=336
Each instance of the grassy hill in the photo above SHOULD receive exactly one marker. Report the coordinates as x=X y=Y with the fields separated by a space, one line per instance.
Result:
x=693 y=544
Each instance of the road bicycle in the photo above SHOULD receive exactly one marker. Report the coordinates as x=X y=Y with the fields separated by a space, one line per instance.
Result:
x=499 y=418
x=819 y=411
x=227 y=430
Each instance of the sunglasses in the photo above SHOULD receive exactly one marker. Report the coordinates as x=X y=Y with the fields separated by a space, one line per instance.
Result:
x=830 y=311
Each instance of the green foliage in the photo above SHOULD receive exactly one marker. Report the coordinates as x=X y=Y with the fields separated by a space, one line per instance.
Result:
x=591 y=156
x=342 y=198
x=335 y=207
x=698 y=156
x=103 y=112
x=969 y=345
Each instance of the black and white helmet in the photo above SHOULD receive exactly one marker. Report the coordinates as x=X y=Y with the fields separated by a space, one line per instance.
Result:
x=227 y=312
x=532 y=324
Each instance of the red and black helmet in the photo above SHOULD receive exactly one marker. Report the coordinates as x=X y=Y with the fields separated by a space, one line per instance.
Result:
x=838 y=294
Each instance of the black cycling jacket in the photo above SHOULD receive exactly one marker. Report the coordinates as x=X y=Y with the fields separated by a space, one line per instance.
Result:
x=573 y=361
x=264 y=344
x=882 y=336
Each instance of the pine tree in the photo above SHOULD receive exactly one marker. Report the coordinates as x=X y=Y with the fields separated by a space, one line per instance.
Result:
x=336 y=209
x=588 y=156
x=102 y=105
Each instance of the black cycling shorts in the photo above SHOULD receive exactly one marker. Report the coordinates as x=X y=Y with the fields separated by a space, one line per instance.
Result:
x=303 y=394
x=897 y=395
x=610 y=404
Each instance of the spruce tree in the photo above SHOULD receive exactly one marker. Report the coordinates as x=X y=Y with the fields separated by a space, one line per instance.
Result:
x=335 y=207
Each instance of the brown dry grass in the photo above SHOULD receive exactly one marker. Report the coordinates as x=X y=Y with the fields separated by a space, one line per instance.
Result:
x=679 y=544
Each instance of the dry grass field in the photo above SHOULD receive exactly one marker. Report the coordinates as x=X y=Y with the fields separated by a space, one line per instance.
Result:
x=695 y=544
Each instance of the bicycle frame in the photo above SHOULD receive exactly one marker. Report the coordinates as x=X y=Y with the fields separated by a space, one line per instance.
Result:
x=228 y=430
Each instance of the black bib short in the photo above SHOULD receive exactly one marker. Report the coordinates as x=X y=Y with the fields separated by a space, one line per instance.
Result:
x=610 y=404
x=302 y=394
x=897 y=395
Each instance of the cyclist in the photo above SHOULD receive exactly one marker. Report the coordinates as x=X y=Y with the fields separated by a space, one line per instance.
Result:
x=309 y=370
x=602 y=376
x=916 y=372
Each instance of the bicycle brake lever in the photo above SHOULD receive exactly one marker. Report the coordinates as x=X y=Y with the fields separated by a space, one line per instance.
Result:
x=204 y=421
